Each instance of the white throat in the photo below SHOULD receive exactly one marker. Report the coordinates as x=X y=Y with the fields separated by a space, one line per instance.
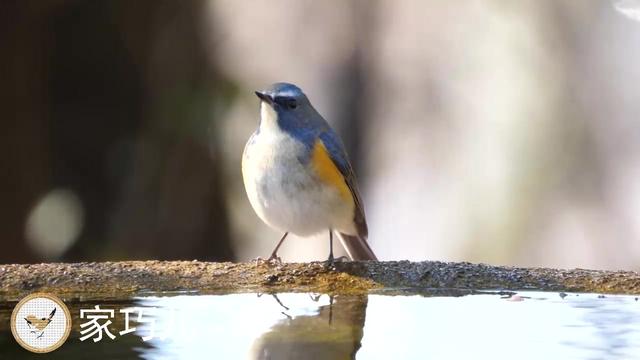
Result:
x=268 y=119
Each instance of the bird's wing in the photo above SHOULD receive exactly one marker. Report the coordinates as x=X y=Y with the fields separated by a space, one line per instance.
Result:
x=336 y=152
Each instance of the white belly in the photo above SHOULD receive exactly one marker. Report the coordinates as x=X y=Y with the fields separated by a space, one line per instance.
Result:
x=288 y=195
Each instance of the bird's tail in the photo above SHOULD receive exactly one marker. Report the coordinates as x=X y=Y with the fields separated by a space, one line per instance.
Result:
x=357 y=247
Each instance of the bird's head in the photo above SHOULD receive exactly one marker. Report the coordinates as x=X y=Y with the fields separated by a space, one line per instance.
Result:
x=286 y=106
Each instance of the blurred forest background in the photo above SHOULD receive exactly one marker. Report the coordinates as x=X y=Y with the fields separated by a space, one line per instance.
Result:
x=491 y=131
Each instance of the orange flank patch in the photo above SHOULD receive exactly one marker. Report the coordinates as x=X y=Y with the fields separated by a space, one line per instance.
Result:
x=327 y=170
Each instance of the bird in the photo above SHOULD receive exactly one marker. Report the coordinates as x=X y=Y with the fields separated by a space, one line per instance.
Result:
x=298 y=177
x=39 y=323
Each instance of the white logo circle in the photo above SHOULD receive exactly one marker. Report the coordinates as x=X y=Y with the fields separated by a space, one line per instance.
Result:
x=40 y=323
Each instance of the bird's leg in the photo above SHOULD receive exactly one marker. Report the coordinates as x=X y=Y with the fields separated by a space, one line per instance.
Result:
x=274 y=258
x=330 y=309
x=330 y=259
x=274 y=255
x=279 y=302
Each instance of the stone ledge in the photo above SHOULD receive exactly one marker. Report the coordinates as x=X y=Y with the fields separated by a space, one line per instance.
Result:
x=129 y=278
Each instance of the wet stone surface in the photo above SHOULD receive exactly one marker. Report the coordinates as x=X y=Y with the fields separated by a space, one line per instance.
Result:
x=115 y=280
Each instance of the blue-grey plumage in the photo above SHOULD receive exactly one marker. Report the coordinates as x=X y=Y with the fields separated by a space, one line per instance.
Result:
x=297 y=175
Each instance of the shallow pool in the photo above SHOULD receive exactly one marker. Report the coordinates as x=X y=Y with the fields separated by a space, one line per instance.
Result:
x=482 y=325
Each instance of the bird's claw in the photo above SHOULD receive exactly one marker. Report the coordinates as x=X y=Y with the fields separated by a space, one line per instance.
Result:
x=272 y=260
x=331 y=261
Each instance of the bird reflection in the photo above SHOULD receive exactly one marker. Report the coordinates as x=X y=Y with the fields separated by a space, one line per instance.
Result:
x=334 y=332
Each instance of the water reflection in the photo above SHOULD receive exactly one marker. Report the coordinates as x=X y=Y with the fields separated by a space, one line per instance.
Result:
x=257 y=326
x=615 y=321
x=439 y=325
x=528 y=325
x=333 y=332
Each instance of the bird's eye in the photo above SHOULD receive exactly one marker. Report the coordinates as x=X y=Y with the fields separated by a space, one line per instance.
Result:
x=286 y=102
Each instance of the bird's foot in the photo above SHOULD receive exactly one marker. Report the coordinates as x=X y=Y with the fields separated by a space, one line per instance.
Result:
x=331 y=261
x=272 y=260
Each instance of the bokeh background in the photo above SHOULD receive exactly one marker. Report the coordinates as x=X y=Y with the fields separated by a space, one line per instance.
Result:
x=487 y=131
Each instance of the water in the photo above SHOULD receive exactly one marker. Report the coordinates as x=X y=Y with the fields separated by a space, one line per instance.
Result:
x=487 y=325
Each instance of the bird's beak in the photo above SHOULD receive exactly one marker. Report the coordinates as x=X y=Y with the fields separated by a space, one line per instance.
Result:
x=264 y=97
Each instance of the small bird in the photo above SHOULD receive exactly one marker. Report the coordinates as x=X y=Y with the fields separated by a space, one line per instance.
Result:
x=298 y=177
x=39 y=324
